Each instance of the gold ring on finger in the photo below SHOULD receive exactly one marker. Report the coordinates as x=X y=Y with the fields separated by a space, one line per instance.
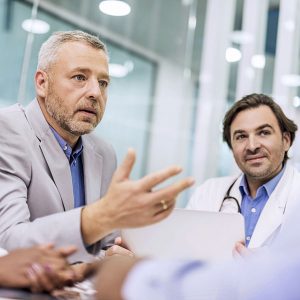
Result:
x=164 y=204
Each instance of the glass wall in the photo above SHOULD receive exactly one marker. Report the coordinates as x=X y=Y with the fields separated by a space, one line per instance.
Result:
x=185 y=62
x=128 y=112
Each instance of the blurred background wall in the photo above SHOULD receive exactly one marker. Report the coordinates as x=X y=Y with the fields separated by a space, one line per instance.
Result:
x=176 y=67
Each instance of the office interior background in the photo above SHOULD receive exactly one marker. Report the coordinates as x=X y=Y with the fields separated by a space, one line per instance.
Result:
x=176 y=66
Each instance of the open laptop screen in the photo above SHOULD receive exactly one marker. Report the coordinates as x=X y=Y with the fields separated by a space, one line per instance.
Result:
x=188 y=234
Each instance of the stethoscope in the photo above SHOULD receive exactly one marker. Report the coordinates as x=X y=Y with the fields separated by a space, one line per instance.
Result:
x=227 y=197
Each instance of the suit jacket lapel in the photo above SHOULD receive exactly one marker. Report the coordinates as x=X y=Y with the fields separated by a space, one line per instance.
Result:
x=54 y=156
x=92 y=168
x=272 y=214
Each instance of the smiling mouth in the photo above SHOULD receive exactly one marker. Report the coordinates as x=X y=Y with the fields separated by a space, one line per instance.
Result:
x=253 y=159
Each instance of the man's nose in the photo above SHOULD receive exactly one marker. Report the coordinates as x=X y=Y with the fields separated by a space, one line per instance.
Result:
x=93 y=89
x=253 y=143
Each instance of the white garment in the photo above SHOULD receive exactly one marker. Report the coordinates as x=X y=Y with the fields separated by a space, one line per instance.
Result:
x=210 y=194
x=3 y=252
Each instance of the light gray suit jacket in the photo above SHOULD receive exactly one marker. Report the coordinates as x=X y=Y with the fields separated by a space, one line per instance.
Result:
x=36 y=195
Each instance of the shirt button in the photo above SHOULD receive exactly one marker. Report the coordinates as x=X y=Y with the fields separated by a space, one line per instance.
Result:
x=65 y=148
x=248 y=238
x=253 y=210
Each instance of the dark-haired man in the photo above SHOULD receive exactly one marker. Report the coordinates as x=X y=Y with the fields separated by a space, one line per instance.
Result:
x=259 y=135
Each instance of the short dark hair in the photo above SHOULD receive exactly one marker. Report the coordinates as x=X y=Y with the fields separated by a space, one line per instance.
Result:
x=253 y=101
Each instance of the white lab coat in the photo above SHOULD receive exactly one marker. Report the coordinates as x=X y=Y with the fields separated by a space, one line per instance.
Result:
x=210 y=194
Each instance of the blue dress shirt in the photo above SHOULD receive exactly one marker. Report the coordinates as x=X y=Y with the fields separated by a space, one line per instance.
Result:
x=76 y=166
x=251 y=208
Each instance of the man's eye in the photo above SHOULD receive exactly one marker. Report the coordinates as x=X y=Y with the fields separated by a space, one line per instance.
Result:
x=264 y=132
x=103 y=83
x=79 y=77
x=240 y=137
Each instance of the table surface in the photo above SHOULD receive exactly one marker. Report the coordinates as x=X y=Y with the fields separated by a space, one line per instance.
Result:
x=23 y=294
x=27 y=295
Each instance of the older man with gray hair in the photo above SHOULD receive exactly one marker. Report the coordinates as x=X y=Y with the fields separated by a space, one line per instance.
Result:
x=57 y=179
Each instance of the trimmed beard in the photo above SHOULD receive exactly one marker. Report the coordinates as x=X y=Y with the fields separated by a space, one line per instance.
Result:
x=64 y=118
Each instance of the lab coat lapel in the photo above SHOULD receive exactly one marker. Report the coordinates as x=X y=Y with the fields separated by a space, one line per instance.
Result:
x=272 y=215
x=55 y=158
x=92 y=168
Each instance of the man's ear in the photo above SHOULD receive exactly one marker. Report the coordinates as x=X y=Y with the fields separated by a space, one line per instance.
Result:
x=286 y=140
x=41 y=83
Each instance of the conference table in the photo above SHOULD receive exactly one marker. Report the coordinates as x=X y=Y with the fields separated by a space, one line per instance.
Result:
x=69 y=293
x=23 y=294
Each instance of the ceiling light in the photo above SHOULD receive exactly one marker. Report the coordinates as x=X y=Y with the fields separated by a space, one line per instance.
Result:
x=129 y=65
x=241 y=37
x=35 y=26
x=114 y=8
x=291 y=80
x=258 y=61
x=119 y=71
x=186 y=2
x=296 y=101
x=192 y=22
x=233 y=55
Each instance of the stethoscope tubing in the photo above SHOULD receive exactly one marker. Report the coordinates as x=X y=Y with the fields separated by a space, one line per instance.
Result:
x=228 y=197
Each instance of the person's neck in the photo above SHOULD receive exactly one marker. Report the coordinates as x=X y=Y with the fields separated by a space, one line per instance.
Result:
x=71 y=139
x=255 y=183
x=253 y=186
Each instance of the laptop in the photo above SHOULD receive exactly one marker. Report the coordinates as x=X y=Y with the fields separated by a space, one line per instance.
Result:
x=188 y=234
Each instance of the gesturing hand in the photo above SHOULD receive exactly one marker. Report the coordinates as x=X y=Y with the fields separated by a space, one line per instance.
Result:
x=132 y=203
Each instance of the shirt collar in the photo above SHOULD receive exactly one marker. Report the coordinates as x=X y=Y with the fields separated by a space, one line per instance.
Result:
x=75 y=152
x=269 y=186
